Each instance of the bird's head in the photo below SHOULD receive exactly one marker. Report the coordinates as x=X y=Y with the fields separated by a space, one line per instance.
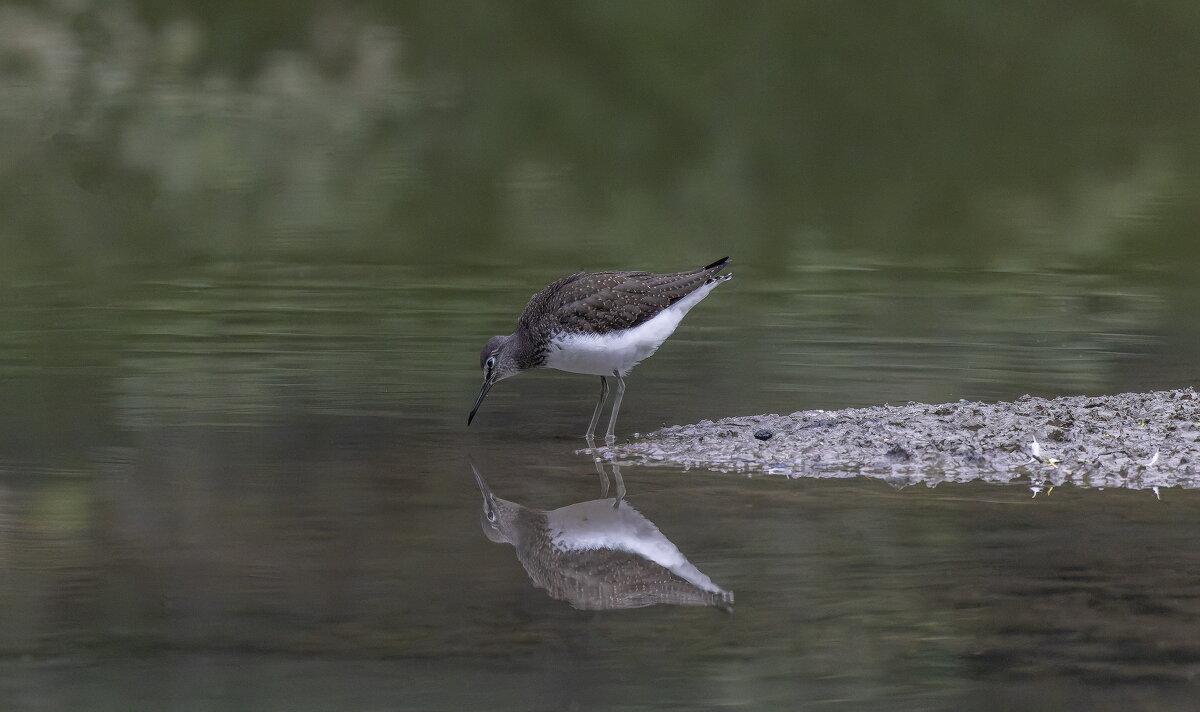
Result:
x=497 y=515
x=497 y=361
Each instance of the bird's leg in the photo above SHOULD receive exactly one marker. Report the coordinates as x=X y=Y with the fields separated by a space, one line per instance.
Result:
x=591 y=431
x=589 y=436
x=620 y=481
x=609 y=438
x=591 y=441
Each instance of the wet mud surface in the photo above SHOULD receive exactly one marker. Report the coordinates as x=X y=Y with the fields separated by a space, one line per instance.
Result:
x=1131 y=440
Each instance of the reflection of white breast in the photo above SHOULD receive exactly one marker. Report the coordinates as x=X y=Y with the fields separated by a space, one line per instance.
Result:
x=597 y=525
x=601 y=354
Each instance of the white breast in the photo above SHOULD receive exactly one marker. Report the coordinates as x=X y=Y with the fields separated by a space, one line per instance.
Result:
x=620 y=351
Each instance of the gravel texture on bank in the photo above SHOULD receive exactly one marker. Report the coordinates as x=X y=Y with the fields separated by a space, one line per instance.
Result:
x=1132 y=440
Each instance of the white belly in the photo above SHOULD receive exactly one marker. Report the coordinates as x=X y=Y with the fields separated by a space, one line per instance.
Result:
x=620 y=351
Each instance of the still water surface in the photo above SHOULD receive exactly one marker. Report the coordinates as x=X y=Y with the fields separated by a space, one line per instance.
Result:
x=248 y=486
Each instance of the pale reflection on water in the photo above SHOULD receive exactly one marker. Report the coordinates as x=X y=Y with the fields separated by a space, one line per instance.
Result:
x=598 y=554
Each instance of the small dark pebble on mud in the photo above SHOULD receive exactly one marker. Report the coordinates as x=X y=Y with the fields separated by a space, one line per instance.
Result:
x=764 y=434
x=971 y=456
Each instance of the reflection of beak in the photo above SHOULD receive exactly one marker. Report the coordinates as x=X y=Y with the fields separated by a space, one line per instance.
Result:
x=488 y=497
x=483 y=488
x=487 y=386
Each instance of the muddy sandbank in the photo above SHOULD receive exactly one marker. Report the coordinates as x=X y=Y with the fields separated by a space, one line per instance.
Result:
x=1132 y=440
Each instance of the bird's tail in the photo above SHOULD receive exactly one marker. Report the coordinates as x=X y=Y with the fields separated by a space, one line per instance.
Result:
x=714 y=268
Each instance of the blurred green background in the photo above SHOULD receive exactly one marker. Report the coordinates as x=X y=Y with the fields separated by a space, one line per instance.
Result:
x=1017 y=134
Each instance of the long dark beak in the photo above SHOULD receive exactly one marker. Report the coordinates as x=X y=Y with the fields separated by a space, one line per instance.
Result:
x=483 y=391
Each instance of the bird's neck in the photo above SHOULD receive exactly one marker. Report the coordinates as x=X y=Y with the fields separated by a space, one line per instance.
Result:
x=524 y=526
x=526 y=352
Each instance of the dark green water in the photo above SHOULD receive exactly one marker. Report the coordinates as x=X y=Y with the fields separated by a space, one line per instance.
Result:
x=247 y=264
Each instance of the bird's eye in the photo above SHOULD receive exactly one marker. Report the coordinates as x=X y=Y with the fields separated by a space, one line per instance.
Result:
x=491 y=514
x=491 y=362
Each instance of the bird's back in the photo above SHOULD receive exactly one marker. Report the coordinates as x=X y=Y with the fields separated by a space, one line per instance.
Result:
x=602 y=302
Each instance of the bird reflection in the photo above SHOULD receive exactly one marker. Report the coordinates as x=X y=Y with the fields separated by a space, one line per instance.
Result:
x=616 y=473
x=597 y=555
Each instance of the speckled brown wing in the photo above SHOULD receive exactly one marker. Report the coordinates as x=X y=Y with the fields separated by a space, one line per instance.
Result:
x=600 y=302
